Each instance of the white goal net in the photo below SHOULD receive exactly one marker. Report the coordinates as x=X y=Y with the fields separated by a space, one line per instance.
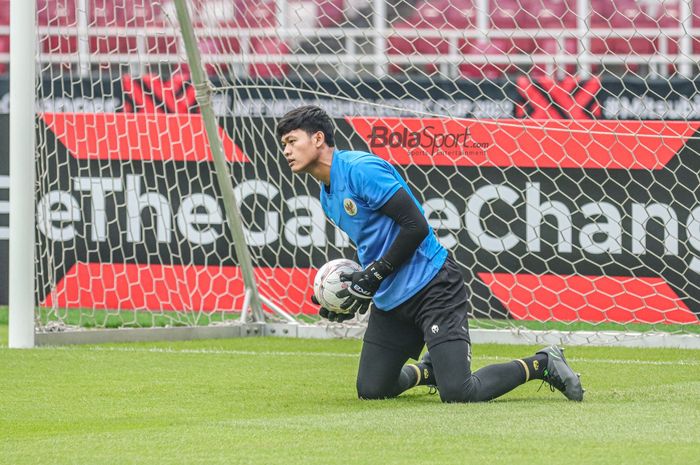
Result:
x=552 y=144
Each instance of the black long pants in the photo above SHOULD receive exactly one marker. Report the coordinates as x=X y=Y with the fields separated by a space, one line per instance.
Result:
x=381 y=374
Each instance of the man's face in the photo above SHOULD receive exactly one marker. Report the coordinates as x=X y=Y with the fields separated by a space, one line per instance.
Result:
x=301 y=149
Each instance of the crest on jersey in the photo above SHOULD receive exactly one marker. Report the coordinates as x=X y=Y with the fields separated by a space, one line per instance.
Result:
x=350 y=207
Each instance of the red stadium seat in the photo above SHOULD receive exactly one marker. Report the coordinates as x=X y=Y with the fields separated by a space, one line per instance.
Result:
x=4 y=39
x=210 y=45
x=601 y=12
x=461 y=14
x=269 y=46
x=557 y=17
x=330 y=13
x=247 y=14
x=4 y=12
x=670 y=21
x=629 y=14
x=554 y=14
x=130 y=15
x=109 y=14
x=484 y=70
x=258 y=14
x=441 y=15
x=263 y=14
x=552 y=46
x=4 y=48
x=58 y=13
x=505 y=14
x=400 y=45
x=213 y=12
x=160 y=43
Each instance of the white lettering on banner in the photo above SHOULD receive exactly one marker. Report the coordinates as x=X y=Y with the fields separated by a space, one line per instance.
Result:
x=613 y=107
x=137 y=202
x=650 y=108
x=270 y=232
x=48 y=215
x=78 y=105
x=195 y=226
x=221 y=104
x=694 y=237
x=641 y=215
x=68 y=104
x=536 y=211
x=341 y=238
x=294 y=228
x=199 y=219
x=611 y=228
x=481 y=197
x=447 y=219
x=97 y=187
x=479 y=108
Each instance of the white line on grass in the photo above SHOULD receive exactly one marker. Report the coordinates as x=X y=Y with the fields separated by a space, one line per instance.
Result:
x=636 y=362
x=167 y=350
x=272 y=353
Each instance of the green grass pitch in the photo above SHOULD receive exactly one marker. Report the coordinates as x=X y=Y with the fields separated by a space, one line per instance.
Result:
x=276 y=401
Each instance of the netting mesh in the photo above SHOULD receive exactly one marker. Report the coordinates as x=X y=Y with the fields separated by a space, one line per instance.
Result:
x=552 y=145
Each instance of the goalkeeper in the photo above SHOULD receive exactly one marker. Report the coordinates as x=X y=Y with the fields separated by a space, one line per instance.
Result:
x=416 y=288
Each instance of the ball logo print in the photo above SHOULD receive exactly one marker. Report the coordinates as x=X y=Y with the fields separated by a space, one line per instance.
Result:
x=327 y=283
x=435 y=329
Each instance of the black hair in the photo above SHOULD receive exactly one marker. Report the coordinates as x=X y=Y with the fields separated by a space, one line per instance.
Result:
x=310 y=119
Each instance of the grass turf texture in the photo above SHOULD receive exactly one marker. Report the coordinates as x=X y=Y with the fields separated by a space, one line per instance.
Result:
x=268 y=401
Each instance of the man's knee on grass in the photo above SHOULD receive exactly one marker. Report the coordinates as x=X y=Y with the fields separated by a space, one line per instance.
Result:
x=367 y=390
x=457 y=390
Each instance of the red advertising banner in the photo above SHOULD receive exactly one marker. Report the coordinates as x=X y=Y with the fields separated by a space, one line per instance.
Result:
x=526 y=144
x=551 y=220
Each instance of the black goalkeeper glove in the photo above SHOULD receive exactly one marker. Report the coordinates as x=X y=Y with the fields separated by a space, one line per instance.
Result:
x=363 y=285
x=329 y=315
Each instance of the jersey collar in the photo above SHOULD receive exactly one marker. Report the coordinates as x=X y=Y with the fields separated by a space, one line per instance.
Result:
x=329 y=189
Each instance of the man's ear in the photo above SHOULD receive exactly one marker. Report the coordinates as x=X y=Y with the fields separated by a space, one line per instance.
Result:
x=319 y=139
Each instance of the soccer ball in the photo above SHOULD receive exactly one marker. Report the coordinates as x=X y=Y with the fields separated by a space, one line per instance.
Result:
x=327 y=283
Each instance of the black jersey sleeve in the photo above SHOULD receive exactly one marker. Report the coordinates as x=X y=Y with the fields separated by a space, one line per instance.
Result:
x=413 y=227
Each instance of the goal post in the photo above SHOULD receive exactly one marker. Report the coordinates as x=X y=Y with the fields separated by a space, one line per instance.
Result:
x=203 y=95
x=554 y=151
x=21 y=237
x=203 y=92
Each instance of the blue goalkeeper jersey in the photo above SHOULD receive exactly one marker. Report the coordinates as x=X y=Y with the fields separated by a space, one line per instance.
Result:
x=361 y=183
